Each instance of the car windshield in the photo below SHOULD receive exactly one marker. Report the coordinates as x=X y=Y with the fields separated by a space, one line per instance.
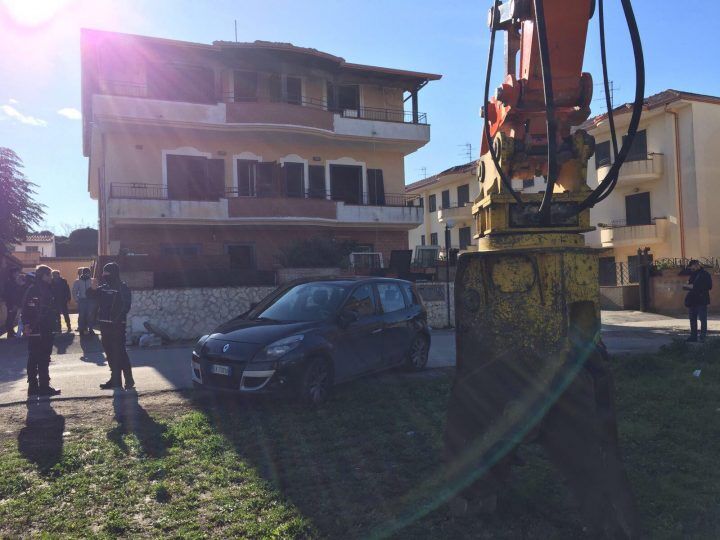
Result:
x=304 y=303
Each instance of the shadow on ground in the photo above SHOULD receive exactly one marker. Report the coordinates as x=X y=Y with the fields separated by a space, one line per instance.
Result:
x=41 y=440
x=368 y=463
x=132 y=418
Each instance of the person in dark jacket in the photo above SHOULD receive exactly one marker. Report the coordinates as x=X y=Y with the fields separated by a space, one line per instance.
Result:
x=114 y=299
x=697 y=299
x=12 y=293
x=38 y=312
x=61 y=293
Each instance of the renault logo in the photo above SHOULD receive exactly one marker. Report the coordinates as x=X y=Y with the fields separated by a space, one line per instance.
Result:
x=226 y=347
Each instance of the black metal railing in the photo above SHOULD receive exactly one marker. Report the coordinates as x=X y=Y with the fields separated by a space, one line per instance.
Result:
x=608 y=161
x=136 y=190
x=361 y=113
x=621 y=223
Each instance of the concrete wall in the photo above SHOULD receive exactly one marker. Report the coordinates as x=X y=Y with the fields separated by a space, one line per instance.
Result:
x=620 y=298
x=191 y=313
x=668 y=296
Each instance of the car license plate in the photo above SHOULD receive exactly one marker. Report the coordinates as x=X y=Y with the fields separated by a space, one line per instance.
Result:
x=220 y=370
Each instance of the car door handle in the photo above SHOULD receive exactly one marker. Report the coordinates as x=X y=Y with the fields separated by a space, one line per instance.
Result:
x=378 y=331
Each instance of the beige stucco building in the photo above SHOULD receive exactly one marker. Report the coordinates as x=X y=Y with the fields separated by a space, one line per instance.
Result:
x=666 y=197
x=447 y=199
x=224 y=153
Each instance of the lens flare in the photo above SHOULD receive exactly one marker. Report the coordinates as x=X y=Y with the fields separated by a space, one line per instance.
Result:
x=30 y=13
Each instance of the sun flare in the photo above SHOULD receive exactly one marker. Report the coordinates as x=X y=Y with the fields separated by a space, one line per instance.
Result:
x=32 y=12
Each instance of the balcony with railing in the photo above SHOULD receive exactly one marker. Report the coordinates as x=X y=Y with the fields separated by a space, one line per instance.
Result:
x=142 y=201
x=620 y=234
x=636 y=170
x=132 y=102
x=456 y=213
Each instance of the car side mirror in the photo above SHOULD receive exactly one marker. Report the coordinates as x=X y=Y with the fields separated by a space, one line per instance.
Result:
x=347 y=317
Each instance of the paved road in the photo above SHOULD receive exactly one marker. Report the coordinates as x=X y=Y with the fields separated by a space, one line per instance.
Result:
x=79 y=366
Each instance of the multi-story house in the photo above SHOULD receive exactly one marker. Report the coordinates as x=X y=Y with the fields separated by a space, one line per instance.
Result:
x=666 y=193
x=447 y=199
x=220 y=155
x=35 y=246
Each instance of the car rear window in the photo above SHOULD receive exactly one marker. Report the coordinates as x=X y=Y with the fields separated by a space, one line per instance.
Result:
x=391 y=297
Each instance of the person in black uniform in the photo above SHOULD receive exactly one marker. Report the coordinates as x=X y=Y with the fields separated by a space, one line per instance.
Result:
x=38 y=312
x=61 y=293
x=697 y=299
x=114 y=299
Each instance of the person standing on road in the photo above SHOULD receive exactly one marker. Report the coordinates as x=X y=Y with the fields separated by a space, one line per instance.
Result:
x=85 y=303
x=38 y=312
x=697 y=299
x=61 y=293
x=114 y=300
x=12 y=292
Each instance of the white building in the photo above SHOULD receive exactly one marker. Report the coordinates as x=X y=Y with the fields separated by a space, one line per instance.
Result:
x=447 y=199
x=667 y=193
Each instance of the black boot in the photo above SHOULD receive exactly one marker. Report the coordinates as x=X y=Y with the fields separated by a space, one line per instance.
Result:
x=48 y=391
x=111 y=385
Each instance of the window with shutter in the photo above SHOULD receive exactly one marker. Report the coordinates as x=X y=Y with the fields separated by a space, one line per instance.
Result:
x=216 y=178
x=246 y=174
x=264 y=179
x=432 y=203
x=376 y=187
x=317 y=181
x=294 y=179
x=246 y=83
x=638 y=150
x=602 y=155
x=446 y=199
x=463 y=195
x=434 y=239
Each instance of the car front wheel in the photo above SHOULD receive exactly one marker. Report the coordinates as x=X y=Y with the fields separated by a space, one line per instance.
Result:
x=316 y=382
x=418 y=354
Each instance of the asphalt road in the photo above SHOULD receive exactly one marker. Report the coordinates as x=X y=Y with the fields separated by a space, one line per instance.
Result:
x=78 y=366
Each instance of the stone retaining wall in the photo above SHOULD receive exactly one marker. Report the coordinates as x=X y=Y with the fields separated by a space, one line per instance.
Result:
x=191 y=313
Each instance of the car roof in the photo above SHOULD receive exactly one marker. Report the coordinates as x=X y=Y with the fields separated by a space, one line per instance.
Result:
x=347 y=280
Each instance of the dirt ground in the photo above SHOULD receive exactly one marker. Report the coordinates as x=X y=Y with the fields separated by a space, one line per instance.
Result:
x=82 y=414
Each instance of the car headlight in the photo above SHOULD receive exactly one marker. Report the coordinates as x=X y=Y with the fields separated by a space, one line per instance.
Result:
x=279 y=348
x=199 y=345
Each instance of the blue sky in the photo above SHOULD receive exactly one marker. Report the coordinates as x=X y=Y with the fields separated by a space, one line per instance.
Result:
x=40 y=65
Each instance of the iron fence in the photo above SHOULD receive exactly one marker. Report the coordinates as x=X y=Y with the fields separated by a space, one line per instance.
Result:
x=618 y=274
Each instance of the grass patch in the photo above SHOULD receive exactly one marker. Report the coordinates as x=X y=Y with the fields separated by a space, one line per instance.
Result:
x=356 y=468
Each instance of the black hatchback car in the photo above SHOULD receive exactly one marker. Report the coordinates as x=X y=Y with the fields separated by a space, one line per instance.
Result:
x=309 y=335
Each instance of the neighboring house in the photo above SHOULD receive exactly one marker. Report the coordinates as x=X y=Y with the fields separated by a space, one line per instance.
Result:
x=666 y=197
x=447 y=199
x=222 y=154
x=35 y=246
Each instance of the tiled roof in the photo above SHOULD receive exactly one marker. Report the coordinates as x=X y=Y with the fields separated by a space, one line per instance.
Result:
x=653 y=102
x=39 y=237
x=457 y=169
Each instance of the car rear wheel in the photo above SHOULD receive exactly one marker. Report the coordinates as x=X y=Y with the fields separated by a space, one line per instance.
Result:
x=418 y=354
x=316 y=383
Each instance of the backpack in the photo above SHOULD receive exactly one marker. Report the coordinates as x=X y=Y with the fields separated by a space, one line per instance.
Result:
x=109 y=305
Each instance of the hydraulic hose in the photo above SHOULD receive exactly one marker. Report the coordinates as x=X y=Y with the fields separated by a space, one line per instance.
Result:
x=545 y=206
x=610 y=181
x=606 y=81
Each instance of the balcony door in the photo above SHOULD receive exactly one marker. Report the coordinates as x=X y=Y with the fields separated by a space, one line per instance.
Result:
x=346 y=183
x=195 y=178
x=637 y=209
